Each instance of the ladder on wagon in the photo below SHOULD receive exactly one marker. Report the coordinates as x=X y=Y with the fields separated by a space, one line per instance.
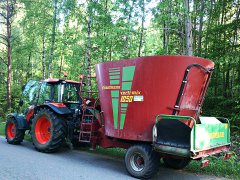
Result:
x=87 y=130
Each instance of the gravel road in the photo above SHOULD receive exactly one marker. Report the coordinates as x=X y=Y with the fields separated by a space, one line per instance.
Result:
x=23 y=162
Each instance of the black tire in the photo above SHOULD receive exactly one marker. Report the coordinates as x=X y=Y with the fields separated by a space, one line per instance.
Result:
x=56 y=131
x=13 y=134
x=142 y=161
x=176 y=163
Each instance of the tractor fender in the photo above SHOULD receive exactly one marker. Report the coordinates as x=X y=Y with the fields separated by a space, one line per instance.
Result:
x=21 y=120
x=55 y=107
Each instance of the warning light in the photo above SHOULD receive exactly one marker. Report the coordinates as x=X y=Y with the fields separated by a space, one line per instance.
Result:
x=65 y=74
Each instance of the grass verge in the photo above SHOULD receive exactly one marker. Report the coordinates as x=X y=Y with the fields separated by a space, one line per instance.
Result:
x=223 y=168
x=2 y=128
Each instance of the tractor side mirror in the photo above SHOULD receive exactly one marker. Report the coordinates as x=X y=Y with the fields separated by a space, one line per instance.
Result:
x=23 y=87
x=21 y=103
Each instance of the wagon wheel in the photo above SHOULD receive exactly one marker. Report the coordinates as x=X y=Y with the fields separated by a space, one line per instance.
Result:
x=48 y=131
x=13 y=134
x=141 y=161
x=176 y=163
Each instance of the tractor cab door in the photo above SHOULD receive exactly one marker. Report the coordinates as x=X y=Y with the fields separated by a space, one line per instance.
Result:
x=29 y=98
x=30 y=92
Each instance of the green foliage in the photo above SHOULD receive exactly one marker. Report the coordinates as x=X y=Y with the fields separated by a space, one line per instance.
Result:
x=222 y=107
x=229 y=168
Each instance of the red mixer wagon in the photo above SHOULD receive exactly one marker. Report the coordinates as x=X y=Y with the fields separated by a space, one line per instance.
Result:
x=150 y=105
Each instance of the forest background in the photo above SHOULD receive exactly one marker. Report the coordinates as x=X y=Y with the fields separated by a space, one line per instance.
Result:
x=45 y=38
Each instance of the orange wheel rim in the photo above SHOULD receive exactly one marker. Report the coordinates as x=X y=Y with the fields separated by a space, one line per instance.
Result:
x=43 y=130
x=11 y=130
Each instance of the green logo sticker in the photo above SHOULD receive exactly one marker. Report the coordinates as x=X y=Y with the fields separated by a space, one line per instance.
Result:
x=122 y=83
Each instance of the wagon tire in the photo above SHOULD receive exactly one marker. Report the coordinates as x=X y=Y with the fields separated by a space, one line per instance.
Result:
x=48 y=131
x=13 y=134
x=176 y=163
x=142 y=161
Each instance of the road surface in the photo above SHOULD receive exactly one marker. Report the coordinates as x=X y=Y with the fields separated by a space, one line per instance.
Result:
x=23 y=162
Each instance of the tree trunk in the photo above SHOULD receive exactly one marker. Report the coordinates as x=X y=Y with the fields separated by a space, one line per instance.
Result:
x=224 y=94
x=43 y=57
x=104 y=50
x=216 y=74
x=227 y=80
x=188 y=30
x=167 y=24
x=61 y=64
x=127 y=46
x=195 y=6
x=9 y=68
x=53 y=39
x=232 y=82
x=208 y=27
x=29 y=66
x=89 y=86
x=200 y=28
x=110 y=53
x=142 y=27
x=164 y=35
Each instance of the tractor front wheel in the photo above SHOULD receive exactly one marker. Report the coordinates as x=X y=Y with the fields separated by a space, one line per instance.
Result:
x=142 y=161
x=13 y=134
x=48 y=131
x=176 y=163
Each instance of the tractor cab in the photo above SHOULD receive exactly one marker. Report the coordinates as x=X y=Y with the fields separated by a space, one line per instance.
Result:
x=60 y=93
x=54 y=93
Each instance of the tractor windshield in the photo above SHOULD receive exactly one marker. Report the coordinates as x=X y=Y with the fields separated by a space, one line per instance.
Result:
x=30 y=91
x=59 y=92
x=71 y=93
x=29 y=95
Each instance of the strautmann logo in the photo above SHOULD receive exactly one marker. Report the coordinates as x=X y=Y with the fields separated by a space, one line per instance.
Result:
x=121 y=92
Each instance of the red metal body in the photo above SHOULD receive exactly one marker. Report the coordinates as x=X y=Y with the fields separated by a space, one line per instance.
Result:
x=55 y=80
x=132 y=92
x=30 y=113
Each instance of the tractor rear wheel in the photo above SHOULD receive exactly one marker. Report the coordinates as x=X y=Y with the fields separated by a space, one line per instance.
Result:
x=48 y=131
x=13 y=134
x=142 y=161
x=176 y=163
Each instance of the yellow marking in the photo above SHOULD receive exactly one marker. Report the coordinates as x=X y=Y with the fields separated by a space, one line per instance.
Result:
x=216 y=135
x=126 y=99
x=125 y=92
x=226 y=126
x=111 y=87
x=137 y=92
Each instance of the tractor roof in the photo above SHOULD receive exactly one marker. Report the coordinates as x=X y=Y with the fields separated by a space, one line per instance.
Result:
x=55 y=80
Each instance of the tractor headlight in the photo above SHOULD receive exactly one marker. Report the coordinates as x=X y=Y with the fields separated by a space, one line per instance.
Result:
x=154 y=133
